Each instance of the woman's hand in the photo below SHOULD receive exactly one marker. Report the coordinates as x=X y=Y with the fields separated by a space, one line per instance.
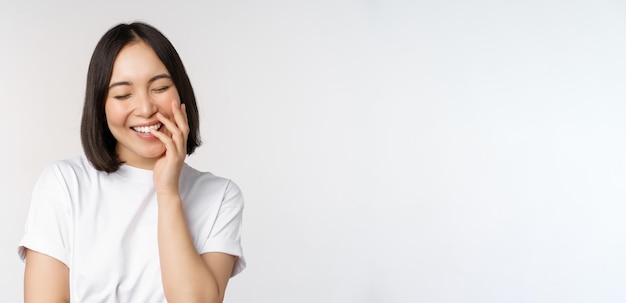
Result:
x=167 y=169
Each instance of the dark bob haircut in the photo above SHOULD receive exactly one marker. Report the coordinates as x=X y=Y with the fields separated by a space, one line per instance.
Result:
x=97 y=140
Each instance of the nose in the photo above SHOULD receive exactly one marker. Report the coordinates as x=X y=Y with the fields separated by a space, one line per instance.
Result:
x=145 y=106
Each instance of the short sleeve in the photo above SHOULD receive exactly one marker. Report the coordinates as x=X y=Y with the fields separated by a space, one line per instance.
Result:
x=48 y=220
x=225 y=236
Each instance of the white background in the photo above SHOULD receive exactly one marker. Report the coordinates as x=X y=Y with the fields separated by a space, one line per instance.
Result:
x=389 y=151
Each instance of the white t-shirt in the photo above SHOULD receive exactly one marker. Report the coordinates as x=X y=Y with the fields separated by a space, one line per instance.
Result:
x=104 y=226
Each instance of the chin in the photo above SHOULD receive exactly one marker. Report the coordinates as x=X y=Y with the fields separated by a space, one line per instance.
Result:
x=153 y=154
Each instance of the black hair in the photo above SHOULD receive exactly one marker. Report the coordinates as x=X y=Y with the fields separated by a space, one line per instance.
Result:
x=97 y=140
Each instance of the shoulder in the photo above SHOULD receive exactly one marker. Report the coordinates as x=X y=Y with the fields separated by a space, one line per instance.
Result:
x=75 y=165
x=208 y=184
x=68 y=171
x=191 y=175
x=59 y=183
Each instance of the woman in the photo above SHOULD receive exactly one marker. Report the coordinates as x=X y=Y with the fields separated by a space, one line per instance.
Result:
x=130 y=221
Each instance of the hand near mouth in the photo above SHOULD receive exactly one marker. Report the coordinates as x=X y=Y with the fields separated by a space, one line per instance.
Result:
x=167 y=168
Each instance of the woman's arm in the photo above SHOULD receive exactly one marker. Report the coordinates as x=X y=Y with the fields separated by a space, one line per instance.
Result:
x=46 y=279
x=187 y=276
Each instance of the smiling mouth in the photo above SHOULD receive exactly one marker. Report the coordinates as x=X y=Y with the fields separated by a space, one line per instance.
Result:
x=146 y=129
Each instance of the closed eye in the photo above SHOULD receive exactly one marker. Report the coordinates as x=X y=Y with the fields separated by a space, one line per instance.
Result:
x=122 y=97
x=161 y=89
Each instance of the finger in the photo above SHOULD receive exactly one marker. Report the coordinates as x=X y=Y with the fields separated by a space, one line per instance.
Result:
x=176 y=134
x=169 y=125
x=187 y=129
x=172 y=153
x=180 y=117
x=183 y=109
x=165 y=139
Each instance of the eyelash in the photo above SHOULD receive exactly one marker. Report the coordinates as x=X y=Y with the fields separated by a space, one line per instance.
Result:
x=122 y=97
x=156 y=90
x=161 y=89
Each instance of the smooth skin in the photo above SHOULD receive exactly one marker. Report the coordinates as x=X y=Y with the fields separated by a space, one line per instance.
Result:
x=141 y=94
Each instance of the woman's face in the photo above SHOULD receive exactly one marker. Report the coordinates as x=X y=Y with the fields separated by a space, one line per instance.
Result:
x=140 y=87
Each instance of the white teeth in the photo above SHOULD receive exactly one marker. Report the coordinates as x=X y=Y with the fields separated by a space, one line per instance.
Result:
x=146 y=129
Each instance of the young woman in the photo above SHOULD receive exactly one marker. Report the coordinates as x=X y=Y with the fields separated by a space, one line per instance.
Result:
x=130 y=221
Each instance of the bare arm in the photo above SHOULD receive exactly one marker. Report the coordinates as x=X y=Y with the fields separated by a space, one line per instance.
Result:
x=187 y=276
x=46 y=279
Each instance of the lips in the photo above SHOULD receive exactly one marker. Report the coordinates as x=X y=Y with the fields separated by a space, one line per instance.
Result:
x=146 y=129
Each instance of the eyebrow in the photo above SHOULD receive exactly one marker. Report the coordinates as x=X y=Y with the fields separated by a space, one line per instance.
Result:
x=157 y=77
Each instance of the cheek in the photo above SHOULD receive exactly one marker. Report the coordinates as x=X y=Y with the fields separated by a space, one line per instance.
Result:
x=115 y=114
x=164 y=102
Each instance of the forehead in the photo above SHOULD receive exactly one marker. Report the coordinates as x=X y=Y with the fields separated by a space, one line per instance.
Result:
x=137 y=61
